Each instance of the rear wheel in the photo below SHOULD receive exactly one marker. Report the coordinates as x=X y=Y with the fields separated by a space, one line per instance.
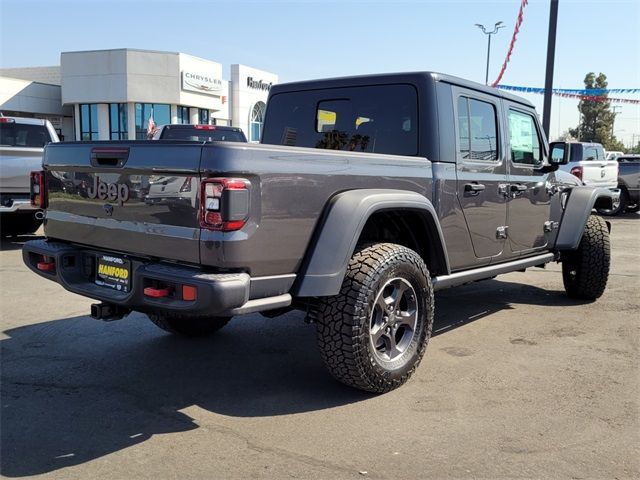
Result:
x=618 y=207
x=373 y=334
x=585 y=271
x=188 y=326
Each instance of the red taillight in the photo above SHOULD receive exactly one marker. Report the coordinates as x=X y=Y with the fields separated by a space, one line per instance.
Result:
x=224 y=204
x=6 y=120
x=204 y=127
x=38 y=191
x=577 y=171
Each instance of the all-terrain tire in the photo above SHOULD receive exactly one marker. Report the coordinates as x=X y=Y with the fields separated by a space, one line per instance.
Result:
x=188 y=326
x=585 y=271
x=348 y=324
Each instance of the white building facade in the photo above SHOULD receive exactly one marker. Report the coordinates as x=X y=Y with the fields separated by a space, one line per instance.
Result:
x=112 y=94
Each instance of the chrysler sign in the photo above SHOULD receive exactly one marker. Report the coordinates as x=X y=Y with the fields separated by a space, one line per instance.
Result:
x=197 y=82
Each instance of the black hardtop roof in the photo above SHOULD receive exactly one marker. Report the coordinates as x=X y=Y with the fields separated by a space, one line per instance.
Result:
x=383 y=78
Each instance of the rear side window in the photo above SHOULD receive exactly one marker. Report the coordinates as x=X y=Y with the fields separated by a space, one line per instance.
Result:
x=477 y=131
x=203 y=135
x=21 y=135
x=523 y=139
x=589 y=153
x=377 y=119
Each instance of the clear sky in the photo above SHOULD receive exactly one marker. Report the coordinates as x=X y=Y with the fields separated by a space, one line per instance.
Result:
x=307 y=39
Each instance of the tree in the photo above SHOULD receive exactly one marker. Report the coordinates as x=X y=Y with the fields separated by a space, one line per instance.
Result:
x=566 y=136
x=596 y=117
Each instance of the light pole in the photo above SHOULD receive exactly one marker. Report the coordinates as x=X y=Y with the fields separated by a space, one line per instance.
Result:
x=496 y=27
x=613 y=119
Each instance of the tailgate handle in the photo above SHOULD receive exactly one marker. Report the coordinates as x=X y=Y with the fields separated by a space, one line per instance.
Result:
x=109 y=156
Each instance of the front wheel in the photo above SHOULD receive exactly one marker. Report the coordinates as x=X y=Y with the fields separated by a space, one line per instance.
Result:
x=373 y=334
x=585 y=271
x=188 y=326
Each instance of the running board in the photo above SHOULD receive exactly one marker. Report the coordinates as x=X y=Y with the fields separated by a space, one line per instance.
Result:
x=460 y=278
x=260 y=304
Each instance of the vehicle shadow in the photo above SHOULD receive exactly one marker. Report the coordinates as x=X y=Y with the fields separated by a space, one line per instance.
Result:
x=460 y=306
x=74 y=390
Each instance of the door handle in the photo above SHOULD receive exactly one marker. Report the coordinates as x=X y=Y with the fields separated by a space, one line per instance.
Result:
x=518 y=187
x=474 y=188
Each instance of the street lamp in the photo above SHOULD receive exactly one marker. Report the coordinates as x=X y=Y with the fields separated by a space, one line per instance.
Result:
x=496 y=27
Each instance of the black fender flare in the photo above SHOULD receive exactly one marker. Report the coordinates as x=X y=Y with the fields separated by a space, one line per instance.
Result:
x=335 y=239
x=579 y=204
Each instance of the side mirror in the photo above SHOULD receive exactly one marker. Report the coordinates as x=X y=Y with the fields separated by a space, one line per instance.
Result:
x=559 y=153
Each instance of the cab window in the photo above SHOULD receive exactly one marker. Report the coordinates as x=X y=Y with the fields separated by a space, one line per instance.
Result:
x=524 y=139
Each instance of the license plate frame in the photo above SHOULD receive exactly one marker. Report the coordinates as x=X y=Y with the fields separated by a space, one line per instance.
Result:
x=113 y=272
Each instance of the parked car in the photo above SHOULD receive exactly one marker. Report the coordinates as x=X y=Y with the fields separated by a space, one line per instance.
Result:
x=612 y=155
x=178 y=192
x=22 y=141
x=629 y=185
x=403 y=184
x=587 y=161
x=200 y=133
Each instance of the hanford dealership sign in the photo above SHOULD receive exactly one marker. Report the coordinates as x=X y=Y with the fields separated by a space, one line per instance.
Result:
x=196 y=82
x=258 y=84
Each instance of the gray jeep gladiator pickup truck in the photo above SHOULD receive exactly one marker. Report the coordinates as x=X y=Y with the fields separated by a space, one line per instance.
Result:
x=366 y=195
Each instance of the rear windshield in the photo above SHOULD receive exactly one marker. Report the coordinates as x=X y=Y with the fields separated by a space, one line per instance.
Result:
x=21 y=135
x=592 y=153
x=203 y=135
x=628 y=159
x=380 y=119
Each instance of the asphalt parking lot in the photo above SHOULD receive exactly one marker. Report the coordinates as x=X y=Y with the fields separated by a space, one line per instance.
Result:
x=518 y=382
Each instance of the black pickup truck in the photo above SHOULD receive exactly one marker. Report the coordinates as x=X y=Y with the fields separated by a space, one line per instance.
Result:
x=366 y=195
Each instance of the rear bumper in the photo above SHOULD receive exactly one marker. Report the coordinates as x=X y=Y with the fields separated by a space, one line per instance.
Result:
x=17 y=206
x=217 y=294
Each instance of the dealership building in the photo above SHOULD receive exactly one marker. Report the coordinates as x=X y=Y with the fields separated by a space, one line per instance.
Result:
x=112 y=94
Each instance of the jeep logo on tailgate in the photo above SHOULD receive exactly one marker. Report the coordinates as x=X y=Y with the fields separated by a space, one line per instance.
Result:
x=109 y=191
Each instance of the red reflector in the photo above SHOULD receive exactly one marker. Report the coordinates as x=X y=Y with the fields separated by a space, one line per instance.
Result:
x=189 y=293
x=46 y=266
x=233 y=225
x=156 y=292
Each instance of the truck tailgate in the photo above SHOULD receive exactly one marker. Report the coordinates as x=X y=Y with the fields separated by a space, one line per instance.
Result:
x=15 y=165
x=600 y=173
x=140 y=197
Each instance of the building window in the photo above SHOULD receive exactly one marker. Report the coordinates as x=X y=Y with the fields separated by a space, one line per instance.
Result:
x=183 y=115
x=118 y=121
x=88 y=121
x=160 y=112
x=203 y=116
x=255 y=121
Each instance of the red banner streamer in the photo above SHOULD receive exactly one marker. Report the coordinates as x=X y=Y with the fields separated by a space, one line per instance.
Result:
x=513 y=41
